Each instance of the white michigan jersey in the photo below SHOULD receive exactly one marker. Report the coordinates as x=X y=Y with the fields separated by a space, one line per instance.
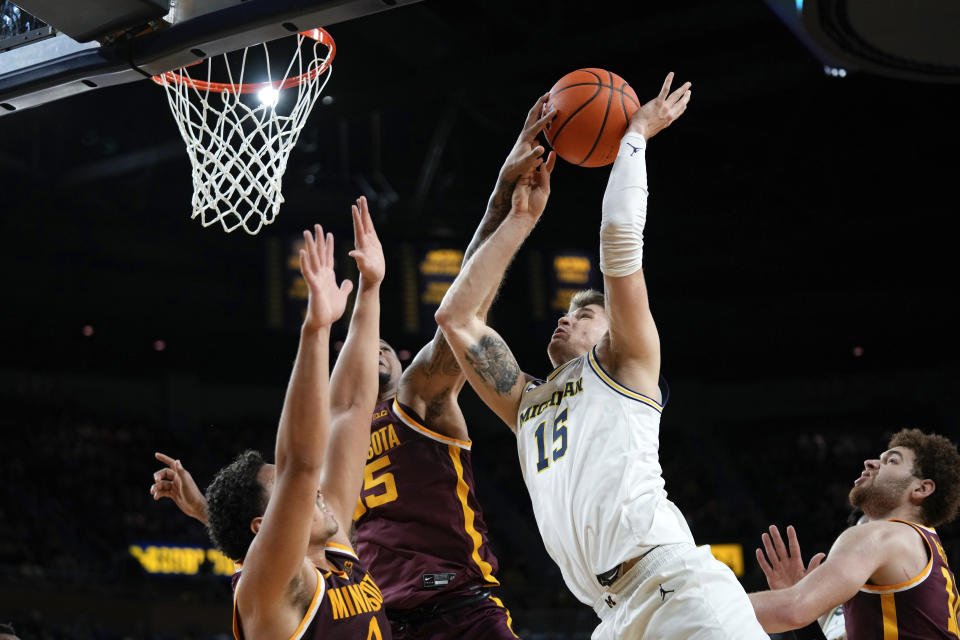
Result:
x=589 y=455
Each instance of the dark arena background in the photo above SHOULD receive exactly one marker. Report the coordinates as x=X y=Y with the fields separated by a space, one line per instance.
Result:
x=800 y=251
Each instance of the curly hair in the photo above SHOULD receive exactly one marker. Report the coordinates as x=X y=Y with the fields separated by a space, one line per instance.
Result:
x=234 y=498
x=937 y=459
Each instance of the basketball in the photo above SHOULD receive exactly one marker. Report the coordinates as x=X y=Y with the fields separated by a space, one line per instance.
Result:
x=593 y=109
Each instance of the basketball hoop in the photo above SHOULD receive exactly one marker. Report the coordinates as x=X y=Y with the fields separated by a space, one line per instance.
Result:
x=239 y=145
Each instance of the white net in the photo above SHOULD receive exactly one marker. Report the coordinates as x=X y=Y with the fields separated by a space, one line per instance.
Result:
x=239 y=136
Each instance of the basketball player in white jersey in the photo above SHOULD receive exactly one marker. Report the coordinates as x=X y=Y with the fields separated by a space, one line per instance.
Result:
x=588 y=435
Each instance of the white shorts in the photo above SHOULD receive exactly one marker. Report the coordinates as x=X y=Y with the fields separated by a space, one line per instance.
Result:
x=677 y=592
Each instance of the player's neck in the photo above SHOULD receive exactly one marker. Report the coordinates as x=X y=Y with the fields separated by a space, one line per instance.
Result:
x=317 y=554
x=907 y=512
x=387 y=388
x=560 y=358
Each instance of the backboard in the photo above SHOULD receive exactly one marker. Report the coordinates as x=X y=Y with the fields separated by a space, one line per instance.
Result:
x=50 y=49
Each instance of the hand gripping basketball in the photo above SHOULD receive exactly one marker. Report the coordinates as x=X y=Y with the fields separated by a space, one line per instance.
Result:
x=526 y=151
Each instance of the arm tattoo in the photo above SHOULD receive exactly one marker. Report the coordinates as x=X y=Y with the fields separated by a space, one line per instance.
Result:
x=493 y=362
x=442 y=361
x=497 y=210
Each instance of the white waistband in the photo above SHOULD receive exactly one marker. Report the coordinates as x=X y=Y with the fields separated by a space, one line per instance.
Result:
x=646 y=567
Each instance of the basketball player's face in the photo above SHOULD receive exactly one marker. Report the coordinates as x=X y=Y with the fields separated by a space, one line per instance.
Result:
x=885 y=482
x=576 y=333
x=324 y=523
x=389 y=368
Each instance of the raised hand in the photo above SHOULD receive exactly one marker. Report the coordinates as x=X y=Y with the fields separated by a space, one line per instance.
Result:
x=533 y=188
x=659 y=113
x=368 y=252
x=526 y=150
x=784 y=569
x=327 y=301
x=176 y=483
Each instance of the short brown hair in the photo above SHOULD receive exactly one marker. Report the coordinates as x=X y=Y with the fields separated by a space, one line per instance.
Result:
x=937 y=459
x=586 y=297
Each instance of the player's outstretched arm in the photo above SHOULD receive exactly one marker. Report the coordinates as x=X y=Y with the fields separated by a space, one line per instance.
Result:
x=633 y=350
x=175 y=482
x=354 y=381
x=483 y=356
x=854 y=557
x=526 y=155
x=783 y=566
x=277 y=554
x=434 y=373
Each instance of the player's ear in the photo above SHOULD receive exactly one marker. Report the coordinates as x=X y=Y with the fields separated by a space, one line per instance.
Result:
x=255 y=524
x=924 y=489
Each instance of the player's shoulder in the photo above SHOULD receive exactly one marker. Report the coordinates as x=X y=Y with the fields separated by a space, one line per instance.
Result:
x=890 y=536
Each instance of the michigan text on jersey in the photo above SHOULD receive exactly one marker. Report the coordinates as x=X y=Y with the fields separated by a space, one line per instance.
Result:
x=571 y=388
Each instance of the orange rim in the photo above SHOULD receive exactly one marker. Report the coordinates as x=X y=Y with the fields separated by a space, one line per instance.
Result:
x=318 y=34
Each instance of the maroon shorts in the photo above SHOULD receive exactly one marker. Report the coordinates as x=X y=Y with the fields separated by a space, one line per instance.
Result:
x=485 y=619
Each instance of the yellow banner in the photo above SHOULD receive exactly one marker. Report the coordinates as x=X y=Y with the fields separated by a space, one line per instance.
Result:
x=184 y=561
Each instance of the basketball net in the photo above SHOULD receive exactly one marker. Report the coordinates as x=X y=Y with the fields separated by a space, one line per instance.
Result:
x=239 y=135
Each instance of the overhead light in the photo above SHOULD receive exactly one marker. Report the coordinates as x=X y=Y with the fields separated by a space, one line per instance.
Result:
x=269 y=97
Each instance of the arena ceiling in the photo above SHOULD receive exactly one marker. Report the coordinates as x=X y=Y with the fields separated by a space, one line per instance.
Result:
x=794 y=215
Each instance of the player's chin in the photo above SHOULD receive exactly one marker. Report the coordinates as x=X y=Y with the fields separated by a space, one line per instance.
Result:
x=332 y=526
x=556 y=350
x=857 y=495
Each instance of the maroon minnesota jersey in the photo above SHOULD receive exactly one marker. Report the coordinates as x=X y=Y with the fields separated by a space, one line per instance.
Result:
x=419 y=526
x=922 y=608
x=347 y=604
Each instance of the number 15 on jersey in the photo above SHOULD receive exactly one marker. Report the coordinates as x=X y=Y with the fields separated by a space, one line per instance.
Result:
x=558 y=444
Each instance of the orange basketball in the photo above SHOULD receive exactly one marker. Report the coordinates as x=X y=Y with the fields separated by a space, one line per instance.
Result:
x=593 y=109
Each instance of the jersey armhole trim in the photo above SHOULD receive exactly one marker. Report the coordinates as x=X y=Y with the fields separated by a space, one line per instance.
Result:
x=342 y=548
x=314 y=607
x=411 y=420
x=619 y=388
x=307 y=618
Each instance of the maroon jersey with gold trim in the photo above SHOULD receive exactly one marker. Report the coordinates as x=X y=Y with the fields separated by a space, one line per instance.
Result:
x=346 y=605
x=923 y=608
x=419 y=526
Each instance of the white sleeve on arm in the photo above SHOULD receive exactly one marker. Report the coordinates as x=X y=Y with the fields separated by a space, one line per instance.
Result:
x=625 y=210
